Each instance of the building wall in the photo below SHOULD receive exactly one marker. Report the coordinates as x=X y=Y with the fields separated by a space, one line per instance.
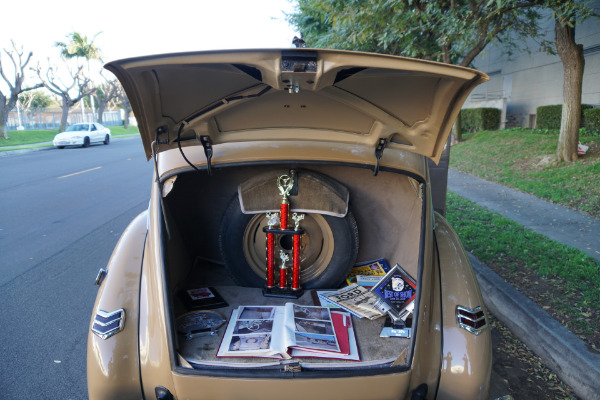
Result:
x=529 y=79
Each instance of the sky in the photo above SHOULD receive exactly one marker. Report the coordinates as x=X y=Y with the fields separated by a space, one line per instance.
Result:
x=128 y=28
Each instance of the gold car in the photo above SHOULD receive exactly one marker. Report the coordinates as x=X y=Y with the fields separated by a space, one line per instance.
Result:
x=325 y=151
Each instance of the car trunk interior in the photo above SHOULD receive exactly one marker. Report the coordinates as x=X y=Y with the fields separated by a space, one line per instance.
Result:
x=390 y=226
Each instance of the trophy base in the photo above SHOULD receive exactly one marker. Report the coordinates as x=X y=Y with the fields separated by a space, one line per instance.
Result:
x=287 y=293
x=395 y=328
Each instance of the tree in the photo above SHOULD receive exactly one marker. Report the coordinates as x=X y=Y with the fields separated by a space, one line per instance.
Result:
x=77 y=47
x=106 y=94
x=15 y=83
x=566 y=15
x=34 y=99
x=454 y=31
x=69 y=93
x=125 y=105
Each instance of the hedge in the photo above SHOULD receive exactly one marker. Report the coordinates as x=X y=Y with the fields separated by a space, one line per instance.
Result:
x=480 y=119
x=591 y=118
x=548 y=117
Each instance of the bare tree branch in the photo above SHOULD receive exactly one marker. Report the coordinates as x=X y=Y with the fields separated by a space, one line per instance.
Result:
x=15 y=83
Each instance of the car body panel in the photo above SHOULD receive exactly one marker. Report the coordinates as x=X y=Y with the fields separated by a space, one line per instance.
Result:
x=383 y=387
x=297 y=151
x=344 y=97
x=466 y=357
x=113 y=364
x=156 y=358
x=427 y=333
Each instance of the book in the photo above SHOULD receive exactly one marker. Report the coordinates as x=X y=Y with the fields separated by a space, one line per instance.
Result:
x=396 y=293
x=283 y=332
x=357 y=300
x=376 y=267
x=203 y=298
x=346 y=339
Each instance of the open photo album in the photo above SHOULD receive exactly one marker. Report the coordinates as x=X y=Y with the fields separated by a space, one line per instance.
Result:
x=289 y=331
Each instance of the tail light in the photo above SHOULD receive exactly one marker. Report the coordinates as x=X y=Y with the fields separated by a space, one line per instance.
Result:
x=471 y=319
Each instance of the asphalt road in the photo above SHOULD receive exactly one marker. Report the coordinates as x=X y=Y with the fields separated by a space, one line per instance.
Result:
x=61 y=214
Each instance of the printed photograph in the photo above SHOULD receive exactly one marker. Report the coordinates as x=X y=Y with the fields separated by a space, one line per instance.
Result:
x=250 y=342
x=318 y=342
x=256 y=313
x=202 y=293
x=311 y=326
x=305 y=312
x=253 y=326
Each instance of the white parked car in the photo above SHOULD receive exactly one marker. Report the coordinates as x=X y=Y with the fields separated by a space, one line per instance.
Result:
x=82 y=135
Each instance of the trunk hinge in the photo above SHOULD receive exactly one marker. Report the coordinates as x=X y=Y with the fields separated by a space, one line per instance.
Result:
x=291 y=366
x=208 y=152
x=159 y=139
x=378 y=153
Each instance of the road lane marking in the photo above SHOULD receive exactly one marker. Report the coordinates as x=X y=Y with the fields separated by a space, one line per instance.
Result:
x=77 y=173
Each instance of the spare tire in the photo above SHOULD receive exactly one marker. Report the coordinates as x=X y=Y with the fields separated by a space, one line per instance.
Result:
x=328 y=251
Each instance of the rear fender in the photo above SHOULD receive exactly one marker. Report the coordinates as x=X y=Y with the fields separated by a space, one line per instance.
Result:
x=113 y=370
x=466 y=357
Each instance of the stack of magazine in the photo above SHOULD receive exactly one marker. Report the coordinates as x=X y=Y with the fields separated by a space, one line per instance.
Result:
x=355 y=299
x=288 y=331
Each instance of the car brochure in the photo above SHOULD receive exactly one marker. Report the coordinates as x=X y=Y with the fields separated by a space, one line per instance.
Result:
x=288 y=331
x=376 y=267
x=396 y=293
x=355 y=299
x=203 y=298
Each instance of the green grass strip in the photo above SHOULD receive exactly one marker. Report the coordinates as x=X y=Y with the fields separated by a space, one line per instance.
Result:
x=496 y=240
x=513 y=158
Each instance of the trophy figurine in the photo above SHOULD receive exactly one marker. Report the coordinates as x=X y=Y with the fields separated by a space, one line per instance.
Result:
x=282 y=269
x=285 y=183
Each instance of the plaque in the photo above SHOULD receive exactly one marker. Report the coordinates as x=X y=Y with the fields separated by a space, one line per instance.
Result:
x=396 y=292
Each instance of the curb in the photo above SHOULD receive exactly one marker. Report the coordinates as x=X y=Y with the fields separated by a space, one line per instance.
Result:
x=562 y=351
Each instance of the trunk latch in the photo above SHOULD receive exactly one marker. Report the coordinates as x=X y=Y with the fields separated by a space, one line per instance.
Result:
x=291 y=366
x=208 y=152
x=378 y=153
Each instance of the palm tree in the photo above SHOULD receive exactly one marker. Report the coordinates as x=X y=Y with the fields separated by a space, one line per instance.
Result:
x=79 y=46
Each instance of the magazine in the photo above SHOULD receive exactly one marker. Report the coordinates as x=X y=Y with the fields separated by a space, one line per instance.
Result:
x=288 y=331
x=376 y=267
x=368 y=281
x=355 y=299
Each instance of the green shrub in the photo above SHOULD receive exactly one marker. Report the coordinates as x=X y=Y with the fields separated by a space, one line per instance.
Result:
x=548 y=117
x=591 y=118
x=480 y=119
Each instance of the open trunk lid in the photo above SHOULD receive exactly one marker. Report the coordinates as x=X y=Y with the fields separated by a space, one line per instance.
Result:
x=295 y=94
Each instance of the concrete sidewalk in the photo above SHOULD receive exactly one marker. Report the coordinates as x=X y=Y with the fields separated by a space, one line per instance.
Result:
x=551 y=220
x=563 y=352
